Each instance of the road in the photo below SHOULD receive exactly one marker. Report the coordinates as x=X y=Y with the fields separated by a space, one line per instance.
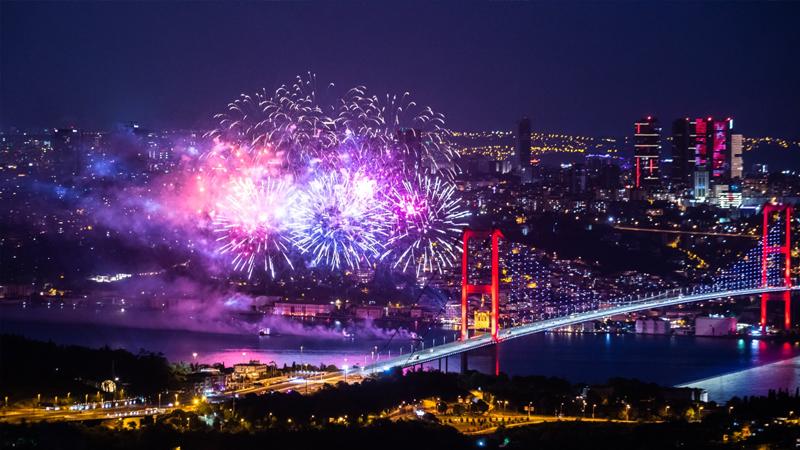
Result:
x=490 y=423
x=275 y=384
x=16 y=415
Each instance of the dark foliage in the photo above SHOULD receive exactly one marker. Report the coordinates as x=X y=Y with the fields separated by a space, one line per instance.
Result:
x=30 y=367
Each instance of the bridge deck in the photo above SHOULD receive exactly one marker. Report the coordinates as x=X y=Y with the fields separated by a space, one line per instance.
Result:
x=454 y=348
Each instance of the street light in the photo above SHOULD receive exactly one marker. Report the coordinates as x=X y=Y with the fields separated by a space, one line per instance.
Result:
x=301 y=357
x=594 y=405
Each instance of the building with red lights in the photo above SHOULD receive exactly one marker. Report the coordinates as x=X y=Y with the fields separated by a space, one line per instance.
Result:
x=704 y=151
x=646 y=153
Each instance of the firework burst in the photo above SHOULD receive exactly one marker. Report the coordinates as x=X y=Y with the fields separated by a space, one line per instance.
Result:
x=333 y=213
x=251 y=224
x=295 y=126
x=429 y=218
x=288 y=124
x=338 y=220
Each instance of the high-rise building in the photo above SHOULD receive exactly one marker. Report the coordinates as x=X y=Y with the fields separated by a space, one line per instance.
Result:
x=646 y=152
x=523 y=153
x=713 y=148
x=705 y=145
x=737 y=163
x=720 y=142
x=700 y=186
x=683 y=148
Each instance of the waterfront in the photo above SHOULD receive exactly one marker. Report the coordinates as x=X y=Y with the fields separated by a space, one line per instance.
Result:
x=726 y=367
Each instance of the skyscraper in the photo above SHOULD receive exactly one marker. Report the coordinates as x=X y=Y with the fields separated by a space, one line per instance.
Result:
x=523 y=154
x=737 y=164
x=720 y=140
x=646 y=152
x=705 y=145
x=683 y=148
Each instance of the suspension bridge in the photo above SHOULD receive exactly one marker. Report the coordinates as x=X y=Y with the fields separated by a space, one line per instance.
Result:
x=764 y=271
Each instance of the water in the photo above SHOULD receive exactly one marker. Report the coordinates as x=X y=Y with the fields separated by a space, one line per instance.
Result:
x=783 y=374
x=725 y=367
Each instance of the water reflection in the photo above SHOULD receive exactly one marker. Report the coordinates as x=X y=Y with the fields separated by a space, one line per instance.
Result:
x=586 y=358
x=754 y=381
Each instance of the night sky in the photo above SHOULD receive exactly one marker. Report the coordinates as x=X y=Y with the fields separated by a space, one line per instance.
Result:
x=587 y=68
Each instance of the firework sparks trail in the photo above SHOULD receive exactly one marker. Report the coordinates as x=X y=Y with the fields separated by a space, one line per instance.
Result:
x=351 y=167
x=294 y=124
x=338 y=220
x=251 y=223
x=429 y=218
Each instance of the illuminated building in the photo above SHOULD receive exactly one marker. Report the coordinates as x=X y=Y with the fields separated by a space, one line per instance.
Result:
x=483 y=320
x=301 y=309
x=700 y=191
x=646 y=152
x=705 y=146
x=718 y=148
x=737 y=164
x=713 y=145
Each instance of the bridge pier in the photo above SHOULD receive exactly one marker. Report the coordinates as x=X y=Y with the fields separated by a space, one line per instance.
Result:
x=787 y=310
x=784 y=251
x=492 y=289
x=786 y=296
x=464 y=363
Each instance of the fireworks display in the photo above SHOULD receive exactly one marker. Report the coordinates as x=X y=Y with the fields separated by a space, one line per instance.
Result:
x=338 y=219
x=251 y=222
x=428 y=214
x=341 y=184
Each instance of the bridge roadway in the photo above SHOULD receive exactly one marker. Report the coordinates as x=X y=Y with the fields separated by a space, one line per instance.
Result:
x=669 y=298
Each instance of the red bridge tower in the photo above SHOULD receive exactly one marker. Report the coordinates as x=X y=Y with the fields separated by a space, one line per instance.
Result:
x=492 y=289
x=785 y=250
